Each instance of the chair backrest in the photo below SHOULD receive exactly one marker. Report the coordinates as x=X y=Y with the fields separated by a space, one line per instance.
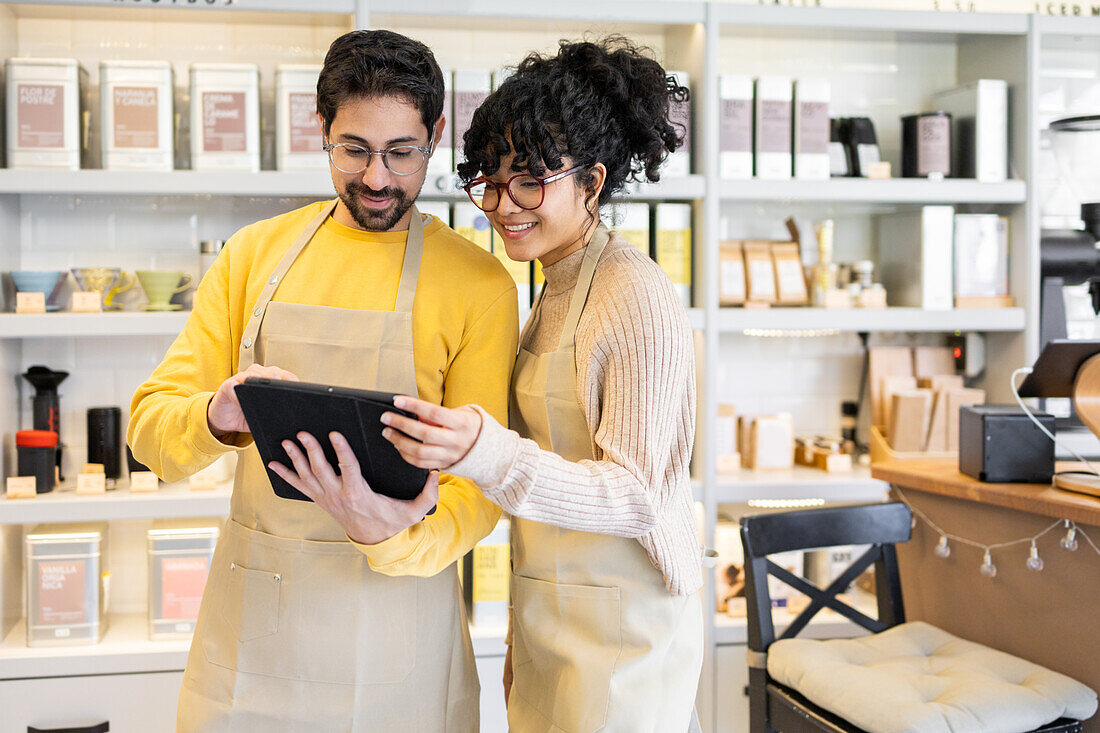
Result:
x=877 y=525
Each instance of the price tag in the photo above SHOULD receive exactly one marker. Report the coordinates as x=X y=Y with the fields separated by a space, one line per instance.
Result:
x=91 y=483
x=21 y=487
x=87 y=302
x=143 y=482
x=202 y=482
x=30 y=302
x=92 y=468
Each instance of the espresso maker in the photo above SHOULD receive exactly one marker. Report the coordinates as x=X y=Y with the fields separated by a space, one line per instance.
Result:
x=1071 y=257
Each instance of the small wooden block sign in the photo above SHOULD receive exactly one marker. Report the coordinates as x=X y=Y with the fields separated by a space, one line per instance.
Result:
x=144 y=482
x=87 y=302
x=21 y=487
x=92 y=468
x=91 y=483
x=200 y=482
x=30 y=302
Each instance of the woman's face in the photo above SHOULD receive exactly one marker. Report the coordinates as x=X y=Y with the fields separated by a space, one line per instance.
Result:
x=560 y=226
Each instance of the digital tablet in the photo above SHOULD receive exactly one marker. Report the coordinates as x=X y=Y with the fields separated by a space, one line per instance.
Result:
x=277 y=410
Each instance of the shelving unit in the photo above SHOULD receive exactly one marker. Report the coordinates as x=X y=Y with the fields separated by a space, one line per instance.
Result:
x=55 y=217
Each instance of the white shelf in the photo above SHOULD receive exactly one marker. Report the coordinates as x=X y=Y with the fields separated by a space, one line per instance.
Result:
x=279 y=6
x=647 y=11
x=867 y=191
x=54 y=325
x=172 y=501
x=735 y=320
x=278 y=184
x=822 y=21
x=827 y=624
x=800 y=482
x=125 y=648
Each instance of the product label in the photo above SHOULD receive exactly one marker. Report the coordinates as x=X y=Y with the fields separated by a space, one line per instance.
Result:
x=491 y=570
x=182 y=580
x=775 y=126
x=61 y=592
x=792 y=281
x=465 y=105
x=761 y=279
x=674 y=255
x=933 y=146
x=813 y=128
x=223 y=122
x=736 y=129
x=679 y=114
x=305 y=128
x=136 y=118
x=638 y=237
x=41 y=115
x=731 y=279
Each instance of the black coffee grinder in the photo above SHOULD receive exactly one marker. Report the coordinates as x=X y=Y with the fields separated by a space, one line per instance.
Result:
x=1071 y=256
x=47 y=404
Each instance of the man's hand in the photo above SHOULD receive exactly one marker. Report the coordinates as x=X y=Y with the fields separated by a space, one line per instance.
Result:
x=507 y=674
x=367 y=517
x=224 y=412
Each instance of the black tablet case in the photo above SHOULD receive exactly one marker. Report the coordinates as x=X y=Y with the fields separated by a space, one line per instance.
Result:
x=278 y=410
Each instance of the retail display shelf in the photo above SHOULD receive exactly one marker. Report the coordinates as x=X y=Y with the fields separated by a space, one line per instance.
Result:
x=265 y=184
x=867 y=191
x=65 y=505
x=821 y=21
x=1055 y=25
x=827 y=624
x=125 y=648
x=814 y=321
x=488 y=641
x=60 y=325
x=648 y=12
x=800 y=483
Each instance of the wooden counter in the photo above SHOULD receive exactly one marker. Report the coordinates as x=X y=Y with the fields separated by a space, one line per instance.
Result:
x=1051 y=617
x=943 y=477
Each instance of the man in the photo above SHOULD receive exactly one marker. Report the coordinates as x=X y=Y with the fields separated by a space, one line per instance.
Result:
x=301 y=629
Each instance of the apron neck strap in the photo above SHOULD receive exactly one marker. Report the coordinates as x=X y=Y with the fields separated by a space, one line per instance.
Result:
x=410 y=267
x=592 y=254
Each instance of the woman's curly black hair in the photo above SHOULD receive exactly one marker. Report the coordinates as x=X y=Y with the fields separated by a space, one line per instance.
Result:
x=606 y=102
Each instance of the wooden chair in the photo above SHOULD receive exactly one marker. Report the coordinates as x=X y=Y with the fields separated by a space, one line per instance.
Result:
x=775 y=707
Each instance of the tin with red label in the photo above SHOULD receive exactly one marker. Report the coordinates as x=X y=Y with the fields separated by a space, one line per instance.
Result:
x=66 y=584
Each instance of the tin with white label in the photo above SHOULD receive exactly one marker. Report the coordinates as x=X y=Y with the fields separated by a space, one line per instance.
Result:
x=66 y=584
x=44 y=113
x=136 y=115
x=179 y=561
x=225 y=117
x=298 y=137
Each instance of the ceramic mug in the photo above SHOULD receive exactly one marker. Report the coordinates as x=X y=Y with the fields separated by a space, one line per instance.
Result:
x=47 y=282
x=161 y=285
x=107 y=281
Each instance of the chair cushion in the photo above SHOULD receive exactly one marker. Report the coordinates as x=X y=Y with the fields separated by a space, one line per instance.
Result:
x=916 y=678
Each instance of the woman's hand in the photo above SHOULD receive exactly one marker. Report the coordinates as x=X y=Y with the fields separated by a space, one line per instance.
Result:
x=439 y=439
x=367 y=517
x=223 y=414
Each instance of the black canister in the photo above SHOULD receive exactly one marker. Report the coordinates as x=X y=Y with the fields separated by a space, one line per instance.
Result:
x=104 y=439
x=926 y=145
x=133 y=465
x=36 y=455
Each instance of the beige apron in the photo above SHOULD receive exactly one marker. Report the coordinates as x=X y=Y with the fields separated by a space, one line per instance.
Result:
x=598 y=641
x=296 y=633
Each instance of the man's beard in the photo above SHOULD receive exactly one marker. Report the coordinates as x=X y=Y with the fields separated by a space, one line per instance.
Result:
x=376 y=220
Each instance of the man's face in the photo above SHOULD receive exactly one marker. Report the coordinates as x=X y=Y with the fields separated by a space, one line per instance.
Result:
x=376 y=199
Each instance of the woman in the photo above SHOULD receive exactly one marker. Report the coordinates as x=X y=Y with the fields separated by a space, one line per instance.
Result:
x=606 y=632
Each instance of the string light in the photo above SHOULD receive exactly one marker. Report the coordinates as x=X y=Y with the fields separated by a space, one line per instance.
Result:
x=1069 y=541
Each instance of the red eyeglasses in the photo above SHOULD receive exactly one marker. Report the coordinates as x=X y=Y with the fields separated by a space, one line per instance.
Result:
x=526 y=191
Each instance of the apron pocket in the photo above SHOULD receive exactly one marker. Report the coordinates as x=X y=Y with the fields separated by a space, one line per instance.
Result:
x=251 y=603
x=567 y=643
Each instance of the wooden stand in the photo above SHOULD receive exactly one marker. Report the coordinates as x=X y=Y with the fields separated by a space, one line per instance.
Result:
x=1086 y=400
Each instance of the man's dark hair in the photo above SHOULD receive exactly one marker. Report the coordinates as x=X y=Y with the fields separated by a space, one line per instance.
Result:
x=380 y=64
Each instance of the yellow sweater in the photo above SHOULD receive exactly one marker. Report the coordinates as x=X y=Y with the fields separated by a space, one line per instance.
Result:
x=464 y=344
